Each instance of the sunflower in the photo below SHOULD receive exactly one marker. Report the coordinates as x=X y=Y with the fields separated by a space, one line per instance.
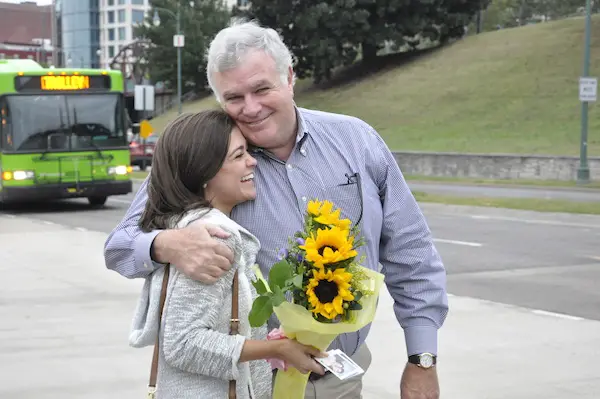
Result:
x=329 y=246
x=327 y=291
x=324 y=214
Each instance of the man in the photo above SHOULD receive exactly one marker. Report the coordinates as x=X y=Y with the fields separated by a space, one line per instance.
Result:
x=304 y=154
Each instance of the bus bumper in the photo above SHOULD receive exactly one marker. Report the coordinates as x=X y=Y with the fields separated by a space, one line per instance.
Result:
x=65 y=190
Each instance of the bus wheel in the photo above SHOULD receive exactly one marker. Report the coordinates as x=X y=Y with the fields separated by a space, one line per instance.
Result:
x=97 y=201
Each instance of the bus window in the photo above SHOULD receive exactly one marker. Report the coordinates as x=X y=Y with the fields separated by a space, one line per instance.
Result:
x=6 y=140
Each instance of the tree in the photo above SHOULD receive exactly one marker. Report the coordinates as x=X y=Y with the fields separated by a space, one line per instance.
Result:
x=324 y=34
x=200 y=22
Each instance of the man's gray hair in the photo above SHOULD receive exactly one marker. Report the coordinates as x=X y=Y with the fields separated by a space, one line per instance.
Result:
x=229 y=46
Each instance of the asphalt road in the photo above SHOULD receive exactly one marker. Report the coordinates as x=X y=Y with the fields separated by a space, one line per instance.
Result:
x=549 y=262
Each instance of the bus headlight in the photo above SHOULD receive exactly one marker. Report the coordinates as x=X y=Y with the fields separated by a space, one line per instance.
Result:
x=18 y=175
x=118 y=170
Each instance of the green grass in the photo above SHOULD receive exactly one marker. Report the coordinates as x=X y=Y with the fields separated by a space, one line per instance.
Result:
x=530 y=204
x=511 y=91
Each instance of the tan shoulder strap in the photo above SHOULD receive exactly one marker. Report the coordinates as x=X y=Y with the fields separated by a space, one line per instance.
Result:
x=235 y=322
x=154 y=367
x=233 y=330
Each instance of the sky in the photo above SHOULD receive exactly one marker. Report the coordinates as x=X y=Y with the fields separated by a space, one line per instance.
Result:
x=40 y=2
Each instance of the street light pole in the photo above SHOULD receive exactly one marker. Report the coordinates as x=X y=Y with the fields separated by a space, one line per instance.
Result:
x=583 y=172
x=177 y=42
x=178 y=17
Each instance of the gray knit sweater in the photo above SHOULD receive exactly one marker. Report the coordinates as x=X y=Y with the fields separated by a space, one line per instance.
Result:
x=198 y=356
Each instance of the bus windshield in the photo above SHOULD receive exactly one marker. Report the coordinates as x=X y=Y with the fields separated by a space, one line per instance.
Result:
x=64 y=122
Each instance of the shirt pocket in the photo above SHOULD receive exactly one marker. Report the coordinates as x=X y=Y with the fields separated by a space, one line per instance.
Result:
x=348 y=198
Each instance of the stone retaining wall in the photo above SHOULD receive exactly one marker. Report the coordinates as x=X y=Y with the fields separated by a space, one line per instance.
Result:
x=494 y=166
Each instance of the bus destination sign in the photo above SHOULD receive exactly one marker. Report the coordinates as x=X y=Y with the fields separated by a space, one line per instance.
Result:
x=62 y=83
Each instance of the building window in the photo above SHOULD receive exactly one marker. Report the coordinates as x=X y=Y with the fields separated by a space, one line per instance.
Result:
x=243 y=3
x=111 y=51
x=111 y=17
x=111 y=34
x=137 y=16
x=137 y=2
x=110 y=2
x=121 y=16
x=121 y=2
x=122 y=34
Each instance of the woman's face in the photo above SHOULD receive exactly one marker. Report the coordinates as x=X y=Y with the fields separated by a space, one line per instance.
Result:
x=234 y=183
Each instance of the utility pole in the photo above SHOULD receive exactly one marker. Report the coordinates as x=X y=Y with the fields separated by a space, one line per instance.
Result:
x=583 y=172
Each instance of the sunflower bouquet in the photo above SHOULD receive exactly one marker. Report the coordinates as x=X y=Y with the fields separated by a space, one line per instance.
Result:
x=331 y=292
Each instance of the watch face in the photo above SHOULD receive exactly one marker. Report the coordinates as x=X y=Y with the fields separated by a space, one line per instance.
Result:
x=426 y=360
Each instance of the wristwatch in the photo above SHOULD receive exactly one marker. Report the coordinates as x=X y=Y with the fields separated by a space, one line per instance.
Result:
x=423 y=360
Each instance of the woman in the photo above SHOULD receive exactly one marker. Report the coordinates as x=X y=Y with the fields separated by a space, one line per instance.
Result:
x=201 y=169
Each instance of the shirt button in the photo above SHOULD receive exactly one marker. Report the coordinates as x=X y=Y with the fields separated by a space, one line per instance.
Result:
x=289 y=166
x=304 y=199
x=303 y=151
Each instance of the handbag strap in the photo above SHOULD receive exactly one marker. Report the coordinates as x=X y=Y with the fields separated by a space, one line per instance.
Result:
x=154 y=367
x=235 y=322
x=233 y=330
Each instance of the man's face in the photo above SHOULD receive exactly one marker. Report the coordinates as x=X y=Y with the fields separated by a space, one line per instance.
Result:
x=262 y=106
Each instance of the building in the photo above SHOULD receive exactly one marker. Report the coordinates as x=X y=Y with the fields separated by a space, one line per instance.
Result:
x=26 y=31
x=117 y=20
x=77 y=33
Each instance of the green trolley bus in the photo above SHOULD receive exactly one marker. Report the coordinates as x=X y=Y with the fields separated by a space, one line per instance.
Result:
x=63 y=134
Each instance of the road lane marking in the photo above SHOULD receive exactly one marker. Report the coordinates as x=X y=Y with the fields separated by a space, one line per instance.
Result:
x=120 y=200
x=558 y=315
x=456 y=242
x=533 y=221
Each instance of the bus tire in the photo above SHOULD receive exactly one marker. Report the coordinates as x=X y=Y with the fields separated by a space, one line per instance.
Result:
x=97 y=201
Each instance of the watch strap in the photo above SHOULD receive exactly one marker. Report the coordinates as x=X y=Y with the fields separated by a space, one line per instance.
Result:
x=416 y=359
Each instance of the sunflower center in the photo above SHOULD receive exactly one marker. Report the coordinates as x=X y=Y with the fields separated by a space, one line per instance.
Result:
x=322 y=249
x=326 y=291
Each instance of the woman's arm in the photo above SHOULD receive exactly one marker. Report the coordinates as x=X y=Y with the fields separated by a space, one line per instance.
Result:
x=190 y=342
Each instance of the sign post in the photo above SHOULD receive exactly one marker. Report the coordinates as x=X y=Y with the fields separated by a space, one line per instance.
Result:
x=587 y=92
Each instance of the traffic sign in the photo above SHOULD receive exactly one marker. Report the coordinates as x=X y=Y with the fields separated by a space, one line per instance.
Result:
x=588 y=89
x=144 y=98
x=178 y=40
x=146 y=129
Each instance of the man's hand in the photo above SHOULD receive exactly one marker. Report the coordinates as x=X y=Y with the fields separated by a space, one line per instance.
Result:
x=194 y=252
x=419 y=383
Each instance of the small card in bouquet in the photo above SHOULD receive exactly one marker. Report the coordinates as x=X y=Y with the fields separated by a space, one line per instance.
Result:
x=339 y=364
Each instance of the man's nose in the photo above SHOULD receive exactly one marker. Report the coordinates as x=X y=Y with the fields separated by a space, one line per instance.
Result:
x=251 y=106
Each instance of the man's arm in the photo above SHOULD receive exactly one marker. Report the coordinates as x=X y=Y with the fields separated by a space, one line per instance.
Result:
x=127 y=248
x=132 y=253
x=414 y=272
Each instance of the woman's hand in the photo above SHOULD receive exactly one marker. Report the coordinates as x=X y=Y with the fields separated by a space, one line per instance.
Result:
x=299 y=356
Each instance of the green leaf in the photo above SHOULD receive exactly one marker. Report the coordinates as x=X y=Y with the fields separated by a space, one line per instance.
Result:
x=279 y=274
x=260 y=286
x=262 y=308
x=278 y=297
x=297 y=280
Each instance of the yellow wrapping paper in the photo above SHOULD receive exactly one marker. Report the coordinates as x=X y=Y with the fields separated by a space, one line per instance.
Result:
x=298 y=323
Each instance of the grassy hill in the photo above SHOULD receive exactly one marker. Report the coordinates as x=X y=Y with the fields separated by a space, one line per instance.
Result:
x=514 y=90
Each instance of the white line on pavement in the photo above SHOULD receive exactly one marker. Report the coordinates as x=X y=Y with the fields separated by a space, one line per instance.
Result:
x=559 y=315
x=533 y=221
x=455 y=242
x=120 y=201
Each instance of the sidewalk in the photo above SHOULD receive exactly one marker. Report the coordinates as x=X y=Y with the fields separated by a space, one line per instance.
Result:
x=65 y=320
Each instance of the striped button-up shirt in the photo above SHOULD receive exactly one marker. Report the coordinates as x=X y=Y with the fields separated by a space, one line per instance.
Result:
x=341 y=159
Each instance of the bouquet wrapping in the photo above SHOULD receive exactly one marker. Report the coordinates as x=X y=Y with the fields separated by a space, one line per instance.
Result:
x=331 y=292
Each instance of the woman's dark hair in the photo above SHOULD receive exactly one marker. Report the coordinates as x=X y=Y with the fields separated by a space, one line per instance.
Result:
x=188 y=154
